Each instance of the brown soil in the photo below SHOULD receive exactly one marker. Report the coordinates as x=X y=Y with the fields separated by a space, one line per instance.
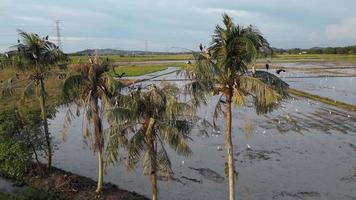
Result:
x=71 y=186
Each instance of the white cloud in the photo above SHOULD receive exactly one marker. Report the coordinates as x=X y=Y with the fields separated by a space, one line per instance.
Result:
x=72 y=44
x=344 y=30
x=30 y=19
x=234 y=12
x=184 y=23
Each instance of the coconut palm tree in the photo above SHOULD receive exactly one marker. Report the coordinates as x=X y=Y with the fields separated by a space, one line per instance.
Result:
x=92 y=89
x=151 y=120
x=37 y=56
x=222 y=69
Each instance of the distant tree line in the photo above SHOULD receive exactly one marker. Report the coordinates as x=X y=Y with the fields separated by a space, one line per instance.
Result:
x=318 y=50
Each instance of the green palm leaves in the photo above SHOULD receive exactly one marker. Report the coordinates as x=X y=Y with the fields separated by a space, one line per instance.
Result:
x=37 y=56
x=38 y=52
x=222 y=68
x=155 y=119
x=93 y=89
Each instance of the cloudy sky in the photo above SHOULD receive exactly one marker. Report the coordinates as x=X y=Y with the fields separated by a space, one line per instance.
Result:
x=170 y=25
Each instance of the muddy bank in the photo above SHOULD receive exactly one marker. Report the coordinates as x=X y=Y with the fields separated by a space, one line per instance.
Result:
x=60 y=184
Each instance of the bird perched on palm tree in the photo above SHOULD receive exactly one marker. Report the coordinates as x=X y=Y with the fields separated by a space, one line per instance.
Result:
x=93 y=89
x=222 y=70
x=37 y=57
x=152 y=119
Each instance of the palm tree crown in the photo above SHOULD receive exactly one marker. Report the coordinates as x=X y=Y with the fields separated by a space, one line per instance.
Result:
x=37 y=56
x=37 y=53
x=152 y=119
x=93 y=89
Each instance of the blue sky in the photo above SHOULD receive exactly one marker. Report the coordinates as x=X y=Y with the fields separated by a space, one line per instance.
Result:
x=171 y=25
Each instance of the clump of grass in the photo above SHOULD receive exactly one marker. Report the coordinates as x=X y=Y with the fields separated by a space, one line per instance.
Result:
x=325 y=100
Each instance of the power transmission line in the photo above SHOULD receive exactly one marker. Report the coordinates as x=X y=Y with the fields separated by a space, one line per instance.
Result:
x=59 y=44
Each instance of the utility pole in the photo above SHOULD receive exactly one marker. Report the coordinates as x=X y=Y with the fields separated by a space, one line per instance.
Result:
x=146 y=47
x=59 y=43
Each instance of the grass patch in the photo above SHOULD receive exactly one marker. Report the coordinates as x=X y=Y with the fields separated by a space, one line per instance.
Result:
x=311 y=58
x=325 y=100
x=139 y=70
x=275 y=58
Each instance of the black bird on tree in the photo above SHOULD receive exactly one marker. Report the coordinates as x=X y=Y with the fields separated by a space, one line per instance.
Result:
x=267 y=66
x=278 y=71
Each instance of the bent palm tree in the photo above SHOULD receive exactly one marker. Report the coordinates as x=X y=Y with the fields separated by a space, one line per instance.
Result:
x=222 y=69
x=92 y=89
x=37 y=56
x=156 y=118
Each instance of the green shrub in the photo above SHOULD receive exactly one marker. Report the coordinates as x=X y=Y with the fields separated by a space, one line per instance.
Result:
x=15 y=158
x=21 y=137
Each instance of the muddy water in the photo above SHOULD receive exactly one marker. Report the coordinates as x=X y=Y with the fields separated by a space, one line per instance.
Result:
x=304 y=150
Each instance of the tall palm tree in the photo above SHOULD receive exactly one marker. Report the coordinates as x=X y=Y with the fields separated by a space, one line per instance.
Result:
x=222 y=69
x=38 y=57
x=93 y=89
x=152 y=119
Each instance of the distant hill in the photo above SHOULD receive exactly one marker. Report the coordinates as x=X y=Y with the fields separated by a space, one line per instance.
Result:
x=120 y=52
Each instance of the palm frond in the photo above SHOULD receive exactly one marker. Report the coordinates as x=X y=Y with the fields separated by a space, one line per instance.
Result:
x=275 y=82
x=136 y=146
x=118 y=138
x=218 y=110
x=164 y=165
x=29 y=90
x=71 y=87
x=176 y=138
x=265 y=97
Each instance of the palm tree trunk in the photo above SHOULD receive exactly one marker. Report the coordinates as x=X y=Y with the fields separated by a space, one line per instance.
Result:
x=99 y=187
x=99 y=146
x=153 y=152
x=154 y=175
x=45 y=123
x=229 y=147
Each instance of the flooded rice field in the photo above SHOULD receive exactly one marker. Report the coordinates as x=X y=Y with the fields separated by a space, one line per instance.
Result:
x=304 y=150
x=331 y=80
